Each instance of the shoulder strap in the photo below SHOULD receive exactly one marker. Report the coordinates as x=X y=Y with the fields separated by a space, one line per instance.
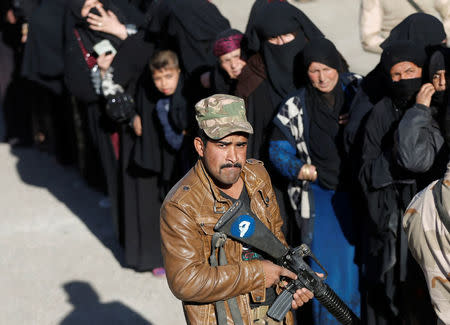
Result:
x=88 y=58
x=442 y=212
x=217 y=243
x=415 y=5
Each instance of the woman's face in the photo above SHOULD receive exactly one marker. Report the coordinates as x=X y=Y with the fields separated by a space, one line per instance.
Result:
x=323 y=77
x=439 y=81
x=232 y=63
x=88 y=5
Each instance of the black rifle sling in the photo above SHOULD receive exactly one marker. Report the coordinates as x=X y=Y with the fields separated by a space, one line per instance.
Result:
x=415 y=5
x=217 y=243
x=442 y=212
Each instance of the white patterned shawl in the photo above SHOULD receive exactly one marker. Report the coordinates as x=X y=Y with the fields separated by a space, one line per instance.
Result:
x=290 y=116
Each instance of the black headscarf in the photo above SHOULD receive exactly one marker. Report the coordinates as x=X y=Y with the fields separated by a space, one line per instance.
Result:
x=192 y=26
x=257 y=5
x=402 y=92
x=278 y=18
x=325 y=133
x=76 y=71
x=423 y=29
x=91 y=37
x=439 y=60
x=323 y=51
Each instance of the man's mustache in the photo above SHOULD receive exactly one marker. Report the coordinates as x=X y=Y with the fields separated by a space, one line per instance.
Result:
x=237 y=165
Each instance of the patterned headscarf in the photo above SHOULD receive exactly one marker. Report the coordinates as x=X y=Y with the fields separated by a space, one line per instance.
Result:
x=227 y=42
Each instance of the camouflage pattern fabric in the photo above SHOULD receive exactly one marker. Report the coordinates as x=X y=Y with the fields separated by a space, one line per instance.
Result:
x=429 y=242
x=220 y=115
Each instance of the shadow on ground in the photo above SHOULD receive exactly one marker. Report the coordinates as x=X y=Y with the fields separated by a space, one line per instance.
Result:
x=87 y=308
x=39 y=169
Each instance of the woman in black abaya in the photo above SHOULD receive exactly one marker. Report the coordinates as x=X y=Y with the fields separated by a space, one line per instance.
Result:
x=423 y=29
x=391 y=279
x=190 y=28
x=88 y=23
x=306 y=148
x=278 y=35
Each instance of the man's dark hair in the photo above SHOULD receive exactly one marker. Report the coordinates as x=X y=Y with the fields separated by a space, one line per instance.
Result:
x=202 y=135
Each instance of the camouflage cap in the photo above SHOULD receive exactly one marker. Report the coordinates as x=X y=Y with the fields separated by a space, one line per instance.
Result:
x=220 y=115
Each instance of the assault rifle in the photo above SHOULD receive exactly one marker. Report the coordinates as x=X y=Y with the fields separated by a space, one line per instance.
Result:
x=248 y=229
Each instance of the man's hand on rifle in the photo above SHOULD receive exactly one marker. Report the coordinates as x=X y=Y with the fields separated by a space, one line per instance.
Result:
x=273 y=273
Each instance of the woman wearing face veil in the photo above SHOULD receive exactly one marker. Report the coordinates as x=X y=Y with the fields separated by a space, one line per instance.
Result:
x=279 y=33
x=307 y=149
x=420 y=136
x=92 y=77
x=189 y=27
x=423 y=29
x=392 y=281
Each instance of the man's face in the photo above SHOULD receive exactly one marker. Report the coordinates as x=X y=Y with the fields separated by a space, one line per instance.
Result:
x=322 y=77
x=405 y=70
x=224 y=158
x=232 y=63
x=88 y=5
x=166 y=80
x=439 y=82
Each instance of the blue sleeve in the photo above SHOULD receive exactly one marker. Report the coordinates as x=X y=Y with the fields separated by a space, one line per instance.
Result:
x=283 y=157
x=174 y=139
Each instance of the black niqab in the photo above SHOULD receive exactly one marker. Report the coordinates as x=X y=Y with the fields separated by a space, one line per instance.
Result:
x=325 y=133
x=402 y=92
x=257 y=5
x=274 y=19
x=421 y=28
x=192 y=26
x=200 y=18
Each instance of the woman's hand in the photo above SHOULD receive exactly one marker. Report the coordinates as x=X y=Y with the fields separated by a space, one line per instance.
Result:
x=343 y=119
x=137 y=125
x=104 y=62
x=107 y=22
x=425 y=94
x=308 y=173
x=205 y=79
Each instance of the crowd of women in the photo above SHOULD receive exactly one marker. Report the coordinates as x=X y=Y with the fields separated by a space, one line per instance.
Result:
x=113 y=85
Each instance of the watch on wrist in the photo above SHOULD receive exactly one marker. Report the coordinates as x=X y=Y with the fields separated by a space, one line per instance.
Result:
x=131 y=29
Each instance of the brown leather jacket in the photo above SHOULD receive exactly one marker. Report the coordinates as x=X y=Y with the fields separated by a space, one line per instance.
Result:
x=188 y=215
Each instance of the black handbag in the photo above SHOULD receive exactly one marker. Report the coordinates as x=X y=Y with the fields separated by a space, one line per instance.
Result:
x=120 y=107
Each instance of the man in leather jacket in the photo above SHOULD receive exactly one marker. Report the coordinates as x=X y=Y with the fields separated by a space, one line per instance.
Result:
x=221 y=176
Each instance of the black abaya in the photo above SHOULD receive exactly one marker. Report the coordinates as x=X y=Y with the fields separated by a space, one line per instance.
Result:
x=131 y=58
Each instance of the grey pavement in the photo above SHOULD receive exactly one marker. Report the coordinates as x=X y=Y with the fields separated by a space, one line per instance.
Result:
x=54 y=235
x=59 y=259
